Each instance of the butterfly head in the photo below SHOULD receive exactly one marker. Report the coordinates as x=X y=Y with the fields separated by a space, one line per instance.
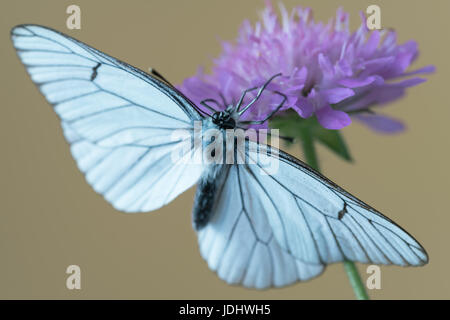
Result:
x=224 y=119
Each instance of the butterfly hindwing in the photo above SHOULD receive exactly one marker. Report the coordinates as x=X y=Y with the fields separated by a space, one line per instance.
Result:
x=239 y=244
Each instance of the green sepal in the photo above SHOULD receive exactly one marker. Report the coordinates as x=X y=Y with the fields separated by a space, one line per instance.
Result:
x=309 y=131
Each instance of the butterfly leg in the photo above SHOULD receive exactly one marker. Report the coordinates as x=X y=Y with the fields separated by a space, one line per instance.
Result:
x=238 y=105
x=271 y=114
x=257 y=95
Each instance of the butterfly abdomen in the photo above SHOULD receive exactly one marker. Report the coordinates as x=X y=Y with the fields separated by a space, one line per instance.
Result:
x=208 y=191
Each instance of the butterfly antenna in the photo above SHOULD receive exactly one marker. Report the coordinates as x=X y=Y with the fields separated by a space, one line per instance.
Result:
x=155 y=73
x=202 y=112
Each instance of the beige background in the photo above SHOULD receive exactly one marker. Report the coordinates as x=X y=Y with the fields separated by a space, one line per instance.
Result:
x=50 y=217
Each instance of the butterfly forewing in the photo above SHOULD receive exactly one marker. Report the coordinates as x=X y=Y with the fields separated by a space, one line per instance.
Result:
x=118 y=119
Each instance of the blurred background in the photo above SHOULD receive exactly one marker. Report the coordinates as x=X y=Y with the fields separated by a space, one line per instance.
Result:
x=50 y=217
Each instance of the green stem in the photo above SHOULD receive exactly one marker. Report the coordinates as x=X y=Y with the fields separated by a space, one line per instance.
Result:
x=355 y=280
x=309 y=150
x=310 y=154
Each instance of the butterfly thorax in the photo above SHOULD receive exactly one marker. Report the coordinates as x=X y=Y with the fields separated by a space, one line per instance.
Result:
x=211 y=182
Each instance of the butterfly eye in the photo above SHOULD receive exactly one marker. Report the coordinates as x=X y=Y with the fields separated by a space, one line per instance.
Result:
x=215 y=118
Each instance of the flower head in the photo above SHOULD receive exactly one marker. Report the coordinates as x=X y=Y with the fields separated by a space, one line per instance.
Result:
x=327 y=71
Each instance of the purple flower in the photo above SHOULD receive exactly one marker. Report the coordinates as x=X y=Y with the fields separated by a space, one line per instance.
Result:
x=327 y=70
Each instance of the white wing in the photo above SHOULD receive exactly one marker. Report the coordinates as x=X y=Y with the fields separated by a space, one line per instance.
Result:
x=300 y=217
x=118 y=119
x=239 y=244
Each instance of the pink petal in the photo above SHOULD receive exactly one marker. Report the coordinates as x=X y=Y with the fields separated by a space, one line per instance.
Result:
x=337 y=94
x=332 y=119
x=326 y=66
x=374 y=65
x=407 y=83
x=410 y=50
x=344 y=68
x=372 y=43
x=427 y=69
x=195 y=88
x=304 y=107
x=301 y=74
x=381 y=123
x=357 y=82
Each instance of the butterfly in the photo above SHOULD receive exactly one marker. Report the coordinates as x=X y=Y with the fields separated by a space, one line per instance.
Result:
x=255 y=228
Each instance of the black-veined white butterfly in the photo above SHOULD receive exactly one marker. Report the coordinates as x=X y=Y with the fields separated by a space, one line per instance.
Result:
x=258 y=230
